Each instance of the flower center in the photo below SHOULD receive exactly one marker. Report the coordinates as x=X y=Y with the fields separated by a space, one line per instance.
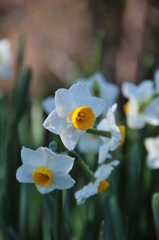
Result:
x=126 y=108
x=42 y=176
x=102 y=186
x=122 y=131
x=83 y=118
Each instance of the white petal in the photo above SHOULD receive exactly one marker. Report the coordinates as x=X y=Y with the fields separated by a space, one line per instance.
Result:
x=86 y=82
x=103 y=172
x=153 y=162
x=69 y=135
x=53 y=122
x=151 y=112
x=103 y=152
x=44 y=190
x=97 y=105
x=61 y=163
x=135 y=122
x=63 y=180
x=88 y=142
x=24 y=174
x=115 y=139
x=129 y=90
x=81 y=94
x=156 y=78
x=103 y=125
x=111 y=117
x=152 y=146
x=145 y=90
x=114 y=163
x=65 y=102
x=86 y=192
x=141 y=92
x=48 y=104
x=29 y=157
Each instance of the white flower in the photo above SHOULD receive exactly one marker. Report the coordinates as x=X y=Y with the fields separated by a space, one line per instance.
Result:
x=156 y=79
x=48 y=104
x=5 y=59
x=89 y=142
x=152 y=146
x=137 y=95
x=46 y=169
x=105 y=90
x=75 y=110
x=102 y=173
x=109 y=124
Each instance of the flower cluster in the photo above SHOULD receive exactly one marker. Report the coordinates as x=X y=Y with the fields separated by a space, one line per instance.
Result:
x=72 y=114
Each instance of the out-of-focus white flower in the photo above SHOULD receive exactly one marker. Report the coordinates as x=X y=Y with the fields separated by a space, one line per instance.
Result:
x=98 y=84
x=89 y=142
x=152 y=146
x=156 y=79
x=109 y=124
x=75 y=111
x=46 y=169
x=138 y=95
x=102 y=173
x=5 y=60
x=48 y=104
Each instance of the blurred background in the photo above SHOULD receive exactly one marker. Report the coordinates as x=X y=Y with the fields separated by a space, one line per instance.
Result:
x=53 y=43
x=61 y=37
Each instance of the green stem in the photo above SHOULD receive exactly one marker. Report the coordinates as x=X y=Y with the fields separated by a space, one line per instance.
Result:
x=58 y=215
x=58 y=205
x=99 y=132
x=85 y=168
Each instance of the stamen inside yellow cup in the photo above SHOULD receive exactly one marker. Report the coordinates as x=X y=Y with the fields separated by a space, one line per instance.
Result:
x=102 y=186
x=122 y=131
x=83 y=118
x=42 y=177
x=126 y=108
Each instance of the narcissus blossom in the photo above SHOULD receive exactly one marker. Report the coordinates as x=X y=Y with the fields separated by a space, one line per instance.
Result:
x=48 y=104
x=102 y=173
x=118 y=134
x=136 y=109
x=75 y=111
x=98 y=85
x=46 y=169
x=5 y=59
x=152 y=147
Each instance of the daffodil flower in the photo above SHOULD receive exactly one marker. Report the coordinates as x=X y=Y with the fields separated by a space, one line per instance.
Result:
x=98 y=85
x=152 y=146
x=5 y=60
x=48 y=104
x=117 y=138
x=139 y=98
x=75 y=111
x=97 y=187
x=46 y=169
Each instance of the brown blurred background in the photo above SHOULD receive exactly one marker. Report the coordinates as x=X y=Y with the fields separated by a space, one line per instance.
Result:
x=60 y=38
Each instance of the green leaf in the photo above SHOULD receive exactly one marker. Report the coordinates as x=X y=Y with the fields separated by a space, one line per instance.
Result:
x=155 y=207
x=49 y=207
x=65 y=223
x=22 y=96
